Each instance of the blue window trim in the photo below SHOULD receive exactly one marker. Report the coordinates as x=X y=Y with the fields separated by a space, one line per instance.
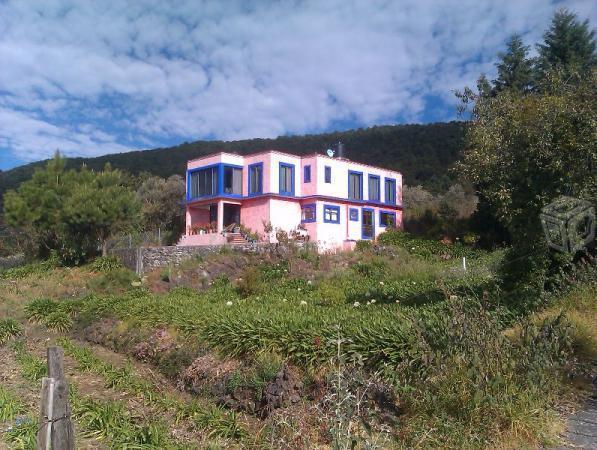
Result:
x=220 y=187
x=372 y=224
x=260 y=189
x=307 y=171
x=351 y=211
x=326 y=170
x=312 y=206
x=355 y=172
x=391 y=213
x=291 y=166
x=376 y=177
x=336 y=208
x=393 y=181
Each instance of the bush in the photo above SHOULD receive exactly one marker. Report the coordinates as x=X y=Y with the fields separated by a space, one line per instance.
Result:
x=105 y=264
x=9 y=329
x=113 y=281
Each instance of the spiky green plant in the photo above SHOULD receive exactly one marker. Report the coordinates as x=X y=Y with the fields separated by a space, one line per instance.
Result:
x=32 y=367
x=9 y=328
x=37 y=310
x=22 y=436
x=10 y=405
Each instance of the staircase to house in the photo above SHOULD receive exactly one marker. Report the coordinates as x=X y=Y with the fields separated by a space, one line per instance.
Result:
x=236 y=238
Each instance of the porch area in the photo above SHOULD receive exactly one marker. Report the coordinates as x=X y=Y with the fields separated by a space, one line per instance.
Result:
x=213 y=223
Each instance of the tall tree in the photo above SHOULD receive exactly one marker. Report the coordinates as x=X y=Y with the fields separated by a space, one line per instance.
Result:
x=525 y=151
x=515 y=69
x=71 y=212
x=569 y=45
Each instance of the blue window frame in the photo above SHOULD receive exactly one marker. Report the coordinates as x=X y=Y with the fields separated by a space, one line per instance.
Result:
x=328 y=174
x=374 y=188
x=368 y=223
x=308 y=213
x=387 y=219
x=286 y=179
x=203 y=182
x=354 y=214
x=331 y=214
x=307 y=174
x=255 y=179
x=355 y=185
x=390 y=191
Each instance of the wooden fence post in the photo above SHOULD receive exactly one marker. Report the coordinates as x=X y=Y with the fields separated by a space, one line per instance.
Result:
x=56 y=427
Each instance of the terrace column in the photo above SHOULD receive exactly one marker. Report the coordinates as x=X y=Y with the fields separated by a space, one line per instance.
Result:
x=220 y=216
x=188 y=221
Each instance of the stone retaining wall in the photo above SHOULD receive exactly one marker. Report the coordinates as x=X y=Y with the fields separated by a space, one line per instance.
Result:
x=147 y=258
x=11 y=261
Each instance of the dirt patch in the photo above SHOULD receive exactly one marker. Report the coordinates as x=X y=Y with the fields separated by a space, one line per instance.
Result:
x=283 y=391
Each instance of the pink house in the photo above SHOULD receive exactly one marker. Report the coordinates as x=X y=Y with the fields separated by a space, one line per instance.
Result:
x=333 y=201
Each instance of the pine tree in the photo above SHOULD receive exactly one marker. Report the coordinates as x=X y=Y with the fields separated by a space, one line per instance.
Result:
x=569 y=45
x=515 y=69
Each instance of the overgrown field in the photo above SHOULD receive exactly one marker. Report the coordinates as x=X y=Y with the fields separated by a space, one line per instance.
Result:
x=390 y=347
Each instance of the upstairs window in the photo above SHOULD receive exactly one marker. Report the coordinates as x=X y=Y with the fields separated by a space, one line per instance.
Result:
x=328 y=174
x=355 y=185
x=256 y=179
x=390 y=189
x=308 y=213
x=331 y=214
x=233 y=180
x=374 y=188
x=387 y=219
x=204 y=182
x=286 y=179
x=307 y=174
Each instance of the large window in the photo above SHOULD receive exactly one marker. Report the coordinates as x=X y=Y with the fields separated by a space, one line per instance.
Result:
x=355 y=185
x=328 y=174
x=256 y=179
x=286 y=179
x=233 y=180
x=308 y=213
x=390 y=189
x=387 y=219
x=331 y=214
x=307 y=174
x=204 y=182
x=374 y=188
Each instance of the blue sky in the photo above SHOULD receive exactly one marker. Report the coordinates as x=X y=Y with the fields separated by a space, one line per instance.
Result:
x=90 y=78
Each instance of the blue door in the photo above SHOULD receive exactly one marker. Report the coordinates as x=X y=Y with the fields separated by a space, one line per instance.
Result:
x=368 y=223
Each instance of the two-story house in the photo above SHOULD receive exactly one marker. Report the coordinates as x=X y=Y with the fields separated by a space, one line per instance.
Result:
x=337 y=201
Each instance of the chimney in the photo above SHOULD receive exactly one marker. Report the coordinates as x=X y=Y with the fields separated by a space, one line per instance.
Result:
x=340 y=150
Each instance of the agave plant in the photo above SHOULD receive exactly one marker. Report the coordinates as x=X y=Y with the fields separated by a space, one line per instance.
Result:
x=9 y=328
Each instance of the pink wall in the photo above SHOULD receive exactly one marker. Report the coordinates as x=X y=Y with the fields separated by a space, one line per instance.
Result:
x=309 y=188
x=196 y=216
x=254 y=212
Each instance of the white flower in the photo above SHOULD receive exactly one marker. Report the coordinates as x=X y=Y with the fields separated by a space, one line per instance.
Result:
x=299 y=289
x=356 y=304
x=412 y=248
x=284 y=300
x=381 y=282
x=368 y=303
x=372 y=300
x=309 y=282
x=453 y=297
x=414 y=282
x=228 y=303
x=303 y=303
x=397 y=301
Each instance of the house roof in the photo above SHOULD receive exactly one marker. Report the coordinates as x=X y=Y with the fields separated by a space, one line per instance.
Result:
x=310 y=155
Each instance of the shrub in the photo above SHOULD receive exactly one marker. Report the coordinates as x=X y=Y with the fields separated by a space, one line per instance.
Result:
x=9 y=329
x=113 y=281
x=105 y=264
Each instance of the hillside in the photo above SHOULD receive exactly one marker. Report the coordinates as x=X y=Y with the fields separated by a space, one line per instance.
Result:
x=423 y=153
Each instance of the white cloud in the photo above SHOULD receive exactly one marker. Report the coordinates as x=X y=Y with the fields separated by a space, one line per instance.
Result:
x=99 y=77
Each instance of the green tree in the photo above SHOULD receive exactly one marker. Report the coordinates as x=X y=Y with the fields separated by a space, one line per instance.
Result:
x=162 y=204
x=71 y=212
x=515 y=69
x=524 y=151
x=569 y=45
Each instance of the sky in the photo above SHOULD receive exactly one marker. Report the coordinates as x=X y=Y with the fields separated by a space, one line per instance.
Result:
x=96 y=77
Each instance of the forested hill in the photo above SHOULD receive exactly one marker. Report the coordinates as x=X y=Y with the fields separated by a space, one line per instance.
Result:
x=423 y=153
